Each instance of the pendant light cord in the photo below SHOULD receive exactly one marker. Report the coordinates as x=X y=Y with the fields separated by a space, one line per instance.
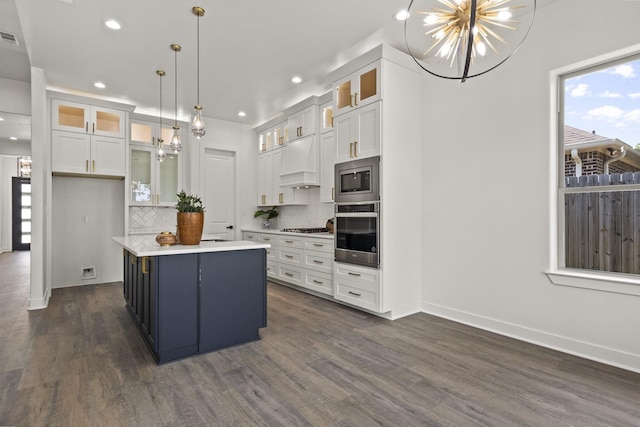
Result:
x=175 y=124
x=198 y=59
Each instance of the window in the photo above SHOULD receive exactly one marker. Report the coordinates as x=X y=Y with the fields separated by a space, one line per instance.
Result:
x=598 y=204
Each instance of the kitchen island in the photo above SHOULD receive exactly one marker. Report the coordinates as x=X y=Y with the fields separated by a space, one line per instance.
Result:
x=188 y=300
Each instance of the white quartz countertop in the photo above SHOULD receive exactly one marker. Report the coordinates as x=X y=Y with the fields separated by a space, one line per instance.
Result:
x=147 y=246
x=284 y=233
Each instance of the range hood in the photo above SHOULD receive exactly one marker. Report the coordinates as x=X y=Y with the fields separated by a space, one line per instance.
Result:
x=300 y=164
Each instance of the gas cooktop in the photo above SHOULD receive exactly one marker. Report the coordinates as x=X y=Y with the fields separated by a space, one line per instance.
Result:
x=306 y=230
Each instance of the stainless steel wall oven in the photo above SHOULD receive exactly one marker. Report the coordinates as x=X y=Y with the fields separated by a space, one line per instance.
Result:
x=357 y=233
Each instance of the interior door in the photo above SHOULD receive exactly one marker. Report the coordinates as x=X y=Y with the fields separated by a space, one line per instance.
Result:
x=219 y=192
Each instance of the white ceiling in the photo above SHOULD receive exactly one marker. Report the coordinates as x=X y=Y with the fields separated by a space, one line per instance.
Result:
x=249 y=49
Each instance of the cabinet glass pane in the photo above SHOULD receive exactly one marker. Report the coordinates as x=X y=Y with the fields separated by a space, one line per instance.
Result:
x=169 y=179
x=327 y=117
x=140 y=176
x=368 y=86
x=167 y=133
x=71 y=116
x=141 y=133
x=343 y=96
x=107 y=122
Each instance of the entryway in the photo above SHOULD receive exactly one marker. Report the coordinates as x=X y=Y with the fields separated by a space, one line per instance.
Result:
x=218 y=187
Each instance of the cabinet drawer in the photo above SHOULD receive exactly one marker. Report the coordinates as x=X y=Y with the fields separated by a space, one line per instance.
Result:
x=268 y=238
x=367 y=278
x=368 y=299
x=319 y=282
x=290 y=242
x=318 y=261
x=253 y=237
x=320 y=245
x=290 y=274
x=290 y=256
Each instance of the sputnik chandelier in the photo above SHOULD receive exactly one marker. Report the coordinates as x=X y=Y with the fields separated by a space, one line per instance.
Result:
x=459 y=39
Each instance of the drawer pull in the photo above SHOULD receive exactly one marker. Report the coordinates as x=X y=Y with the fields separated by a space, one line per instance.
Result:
x=288 y=274
x=320 y=245
x=318 y=262
x=266 y=239
x=289 y=256
x=318 y=282
x=355 y=293
x=354 y=274
x=288 y=241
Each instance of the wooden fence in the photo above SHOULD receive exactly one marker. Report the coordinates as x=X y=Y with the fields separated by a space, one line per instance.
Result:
x=602 y=229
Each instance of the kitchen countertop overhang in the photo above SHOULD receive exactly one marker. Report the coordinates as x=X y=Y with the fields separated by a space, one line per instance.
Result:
x=147 y=246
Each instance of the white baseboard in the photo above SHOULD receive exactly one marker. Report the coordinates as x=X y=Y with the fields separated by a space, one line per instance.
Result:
x=609 y=356
x=39 y=303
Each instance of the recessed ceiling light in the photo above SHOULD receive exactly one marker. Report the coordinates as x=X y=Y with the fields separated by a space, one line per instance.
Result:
x=242 y=113
x=13 y=138
x=112 y=24
x=296 y=79
x=401 y=15
x=99 y=85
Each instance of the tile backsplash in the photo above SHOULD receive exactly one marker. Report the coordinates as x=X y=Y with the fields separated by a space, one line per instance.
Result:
x=151 y=219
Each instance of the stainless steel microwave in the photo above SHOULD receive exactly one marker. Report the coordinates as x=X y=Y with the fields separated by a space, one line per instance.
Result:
x=358 y=180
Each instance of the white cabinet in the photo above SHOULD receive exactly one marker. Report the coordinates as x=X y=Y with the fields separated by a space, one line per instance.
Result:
x=327 y=162
x=270 y=192
x=144 y=132
x=359 y=286
x=153 y=182
x=83 y=154
x=357 y=89
x=306 y=262
x=303 y=123
x=273 y=137
x=357 y=133
x=88 y=119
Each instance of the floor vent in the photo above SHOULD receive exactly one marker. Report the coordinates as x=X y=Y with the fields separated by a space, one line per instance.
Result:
x=9 y=38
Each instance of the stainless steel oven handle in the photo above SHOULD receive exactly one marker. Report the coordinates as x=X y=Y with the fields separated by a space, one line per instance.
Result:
x=357 y=215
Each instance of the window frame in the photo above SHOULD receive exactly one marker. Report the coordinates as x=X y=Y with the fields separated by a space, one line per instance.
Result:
x=558 y=274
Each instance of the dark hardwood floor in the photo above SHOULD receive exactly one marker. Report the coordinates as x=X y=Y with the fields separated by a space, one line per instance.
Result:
x=81 y=362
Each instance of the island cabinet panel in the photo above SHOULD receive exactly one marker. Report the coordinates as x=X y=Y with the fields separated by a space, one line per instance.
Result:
x=232 y=298
x=175 y=279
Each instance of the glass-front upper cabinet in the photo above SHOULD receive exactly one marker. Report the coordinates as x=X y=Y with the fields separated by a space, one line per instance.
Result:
x=358 y=89
x=88 y=119
x=153 y=182
x=146 y=133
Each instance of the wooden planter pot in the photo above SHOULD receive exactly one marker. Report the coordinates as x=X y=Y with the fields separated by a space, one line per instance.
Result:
x=190 y=225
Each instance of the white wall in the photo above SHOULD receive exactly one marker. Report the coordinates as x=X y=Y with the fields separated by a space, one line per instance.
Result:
x=15 y=96
x=77 y=244
x=487 y=207
x=229 y=136
x=8 y=169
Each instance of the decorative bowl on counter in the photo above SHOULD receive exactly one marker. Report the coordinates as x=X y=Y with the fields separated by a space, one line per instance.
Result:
x=166 y=238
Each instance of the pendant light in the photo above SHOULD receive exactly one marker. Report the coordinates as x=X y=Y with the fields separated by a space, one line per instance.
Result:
x=460 y=39
x=197 y=126
x=176 y=143
x=160 y=154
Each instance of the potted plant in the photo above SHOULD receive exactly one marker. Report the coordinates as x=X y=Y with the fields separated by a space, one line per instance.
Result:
x=267 y=216
x=190 y=218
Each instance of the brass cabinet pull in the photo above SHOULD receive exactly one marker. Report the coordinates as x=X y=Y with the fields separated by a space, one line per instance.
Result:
x=354 y=274
x=355 y=293
x=289 y=256
x=93 y=166
x=86 y=166
x=132 y=259
x=145 y=269
x=288 y=274
x=333 y=193
x=86 y=126
x=280 y=198
x=317 y=281
x=356 y=98
x=264 y=199
x=351 y=150
x=93 y=128
x=266 y=239
x=355 y=149
x=351 y=101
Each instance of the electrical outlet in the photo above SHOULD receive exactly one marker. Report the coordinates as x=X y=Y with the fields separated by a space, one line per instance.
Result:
x=84 y=219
